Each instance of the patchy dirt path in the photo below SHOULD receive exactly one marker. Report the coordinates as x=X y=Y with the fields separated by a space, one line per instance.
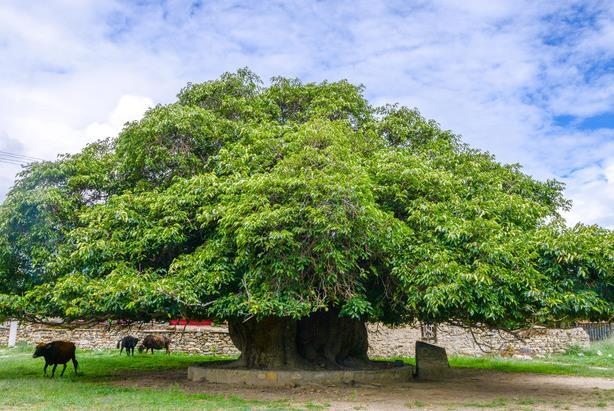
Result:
x=469 y=390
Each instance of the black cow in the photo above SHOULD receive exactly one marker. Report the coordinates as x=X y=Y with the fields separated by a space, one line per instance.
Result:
x=128 y=342
x=56 y=352
x=157 y=342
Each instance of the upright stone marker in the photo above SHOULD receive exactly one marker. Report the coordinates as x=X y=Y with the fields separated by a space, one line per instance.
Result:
x=13 y=334
x=431 y=361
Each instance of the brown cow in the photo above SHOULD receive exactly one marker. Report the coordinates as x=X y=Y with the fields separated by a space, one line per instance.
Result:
x=155 y=341
x=56 y=352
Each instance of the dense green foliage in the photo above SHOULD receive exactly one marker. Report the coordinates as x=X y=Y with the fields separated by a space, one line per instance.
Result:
x=242 y=200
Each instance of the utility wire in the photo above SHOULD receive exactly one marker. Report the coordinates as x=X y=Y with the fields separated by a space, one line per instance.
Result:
x=17 y=159
x=20 y=156
x=12 y=162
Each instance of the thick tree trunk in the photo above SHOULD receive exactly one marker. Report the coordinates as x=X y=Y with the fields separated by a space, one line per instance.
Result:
x=268 y=343
x=323 y=340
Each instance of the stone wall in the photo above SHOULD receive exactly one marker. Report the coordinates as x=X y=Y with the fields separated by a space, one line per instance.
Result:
x=535 y=342
x=383 y=341
x=194 y=340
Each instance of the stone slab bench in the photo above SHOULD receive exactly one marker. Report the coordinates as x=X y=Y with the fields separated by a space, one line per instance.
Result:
x=290 y=378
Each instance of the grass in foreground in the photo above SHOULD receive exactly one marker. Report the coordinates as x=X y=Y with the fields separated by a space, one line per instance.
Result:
x=22 y=385
x=17 y=363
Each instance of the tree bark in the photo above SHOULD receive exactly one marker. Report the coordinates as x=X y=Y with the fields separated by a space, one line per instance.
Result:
x=322 y=340
x=267 y=343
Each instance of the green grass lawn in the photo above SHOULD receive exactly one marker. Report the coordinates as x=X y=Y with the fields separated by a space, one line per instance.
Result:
x=96 y=366
x=22 y=385
x=596 y=361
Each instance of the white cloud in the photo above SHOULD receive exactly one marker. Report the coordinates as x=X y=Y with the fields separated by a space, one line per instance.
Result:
x=45 y=137
x=128 y=108
x=496 y=72
x=592 y=191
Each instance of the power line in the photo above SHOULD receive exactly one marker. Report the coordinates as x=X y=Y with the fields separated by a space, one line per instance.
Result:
x=20 y=156
x=12 y=162
x=17 y=159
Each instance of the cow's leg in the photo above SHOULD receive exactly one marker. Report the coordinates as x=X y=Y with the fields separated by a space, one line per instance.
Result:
x=168 y=351
x=53 y=370
x=45 y=368
x=75 y=363
x=121 y=349
x=63 y=369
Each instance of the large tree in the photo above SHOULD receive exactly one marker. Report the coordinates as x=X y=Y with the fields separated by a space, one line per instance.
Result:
x=296 y=212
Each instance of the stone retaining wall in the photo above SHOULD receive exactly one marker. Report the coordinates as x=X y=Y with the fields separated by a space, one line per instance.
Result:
x=537 y=341
x=194 y=340
x=383 y=341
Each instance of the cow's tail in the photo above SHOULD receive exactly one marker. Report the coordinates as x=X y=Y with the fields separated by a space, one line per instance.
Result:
x=118 y=342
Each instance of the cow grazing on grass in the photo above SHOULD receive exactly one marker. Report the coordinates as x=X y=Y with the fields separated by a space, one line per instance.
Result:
x=157 y=342
x=129 y=343
x=56 y=352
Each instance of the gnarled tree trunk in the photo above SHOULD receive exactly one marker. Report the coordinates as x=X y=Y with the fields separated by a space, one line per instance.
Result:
x=268 y=343
x=322 y=340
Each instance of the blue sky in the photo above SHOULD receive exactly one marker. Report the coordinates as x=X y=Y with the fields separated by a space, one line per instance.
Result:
x=531 y=82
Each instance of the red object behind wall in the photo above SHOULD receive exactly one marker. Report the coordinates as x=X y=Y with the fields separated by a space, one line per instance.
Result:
x=190 y=322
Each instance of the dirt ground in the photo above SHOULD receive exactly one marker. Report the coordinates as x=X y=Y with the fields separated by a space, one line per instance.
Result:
x=469 y=390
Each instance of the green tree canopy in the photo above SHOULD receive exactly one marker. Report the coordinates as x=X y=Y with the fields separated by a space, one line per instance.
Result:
x=241 y=201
